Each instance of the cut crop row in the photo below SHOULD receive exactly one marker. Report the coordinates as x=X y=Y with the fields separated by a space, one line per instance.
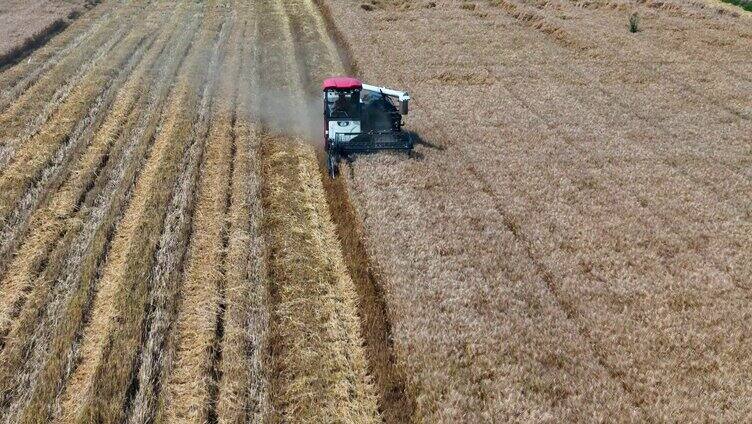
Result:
x=14 y=287
x=29 y=112
x=97 y=388
x=188 y=381
x=17 y=79
x=318 y=362
x=86 y=208
x=42 y=162
x=243 y=386
x=315 y=46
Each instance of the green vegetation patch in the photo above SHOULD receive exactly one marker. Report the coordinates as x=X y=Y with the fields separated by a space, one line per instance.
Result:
x=744 y=4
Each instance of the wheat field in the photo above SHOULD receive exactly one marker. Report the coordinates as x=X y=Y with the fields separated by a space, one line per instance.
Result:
x=569 y=242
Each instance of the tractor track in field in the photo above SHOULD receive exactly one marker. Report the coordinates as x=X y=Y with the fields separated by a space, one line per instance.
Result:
x=169 y=250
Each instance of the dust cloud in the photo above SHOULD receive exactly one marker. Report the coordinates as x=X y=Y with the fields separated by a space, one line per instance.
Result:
x=293 y=114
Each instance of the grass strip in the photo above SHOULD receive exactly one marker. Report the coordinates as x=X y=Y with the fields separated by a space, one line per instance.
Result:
x=744 y=4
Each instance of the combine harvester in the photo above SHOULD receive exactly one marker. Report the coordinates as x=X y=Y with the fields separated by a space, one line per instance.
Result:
x=362 y=118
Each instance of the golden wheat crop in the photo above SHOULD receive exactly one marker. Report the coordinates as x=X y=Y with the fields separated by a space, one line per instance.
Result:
x=573 y=215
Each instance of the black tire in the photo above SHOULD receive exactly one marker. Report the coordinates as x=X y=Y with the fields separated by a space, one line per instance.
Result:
x=332 y=165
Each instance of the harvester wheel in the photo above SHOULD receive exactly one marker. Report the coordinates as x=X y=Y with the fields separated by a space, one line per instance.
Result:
x=332 y=165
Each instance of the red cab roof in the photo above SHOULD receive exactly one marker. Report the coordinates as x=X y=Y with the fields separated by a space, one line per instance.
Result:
x=341 y=83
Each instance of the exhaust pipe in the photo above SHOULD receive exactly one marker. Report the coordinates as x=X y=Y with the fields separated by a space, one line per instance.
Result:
x=403 y=106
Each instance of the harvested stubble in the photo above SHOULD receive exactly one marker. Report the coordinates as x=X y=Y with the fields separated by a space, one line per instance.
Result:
x=395 y=403
x=64 y=303
x=316 y=48
x=132 y=187
x=25 y=115
x=164 y=291
x=119 y=298
x=15 y=284
x=244 y=377
x=28 y=24
x=17 y=79
x=244 y=383
x=42 y=160
x=11 y=234
x=319 y=364
x=190 y=388
x=16 y=289
x=591 y=266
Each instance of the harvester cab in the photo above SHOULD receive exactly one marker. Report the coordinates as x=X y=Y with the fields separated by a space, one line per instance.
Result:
x=362 y=118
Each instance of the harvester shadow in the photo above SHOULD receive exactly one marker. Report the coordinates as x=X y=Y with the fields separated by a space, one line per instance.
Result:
x=422 y=142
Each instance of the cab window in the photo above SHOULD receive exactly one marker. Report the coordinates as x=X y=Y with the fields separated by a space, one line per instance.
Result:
x=342 y=104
